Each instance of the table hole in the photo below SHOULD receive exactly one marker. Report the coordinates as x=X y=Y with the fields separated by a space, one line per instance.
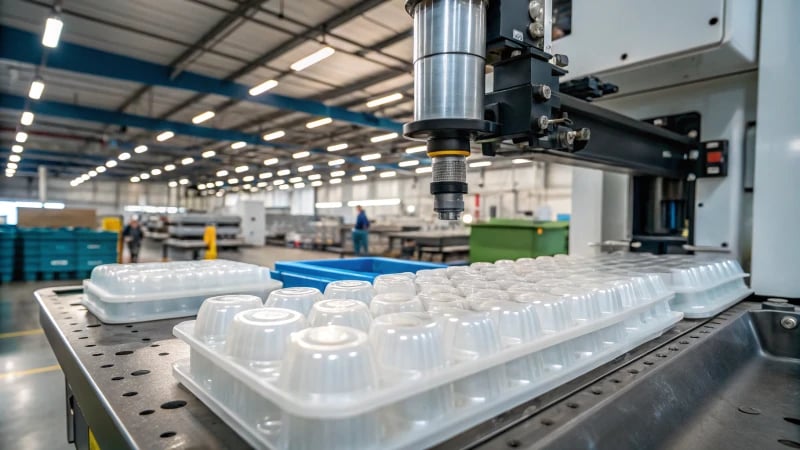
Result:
x=146 y=412
x=661 y=355
x=106 y=366
x=163 y=354
x=94 y=325
x=168 y=434
x=97 y=354
x=117 y=378
x=84 y=337
x=596 y=391
x=140 y=372
x=648 y=363
x=145 y=339
x=128 y=326
x=547 y=422
x=633 y=371
x=156 y=345
x=124 y=352
x=572 y=405
x=174 y=404
x=130 y=394
x=90 y=345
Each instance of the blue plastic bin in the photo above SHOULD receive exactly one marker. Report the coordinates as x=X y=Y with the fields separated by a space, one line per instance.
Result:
x=318 y=273
x=90 y=242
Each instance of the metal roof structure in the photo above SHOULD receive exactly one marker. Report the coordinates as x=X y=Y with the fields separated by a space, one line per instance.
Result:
x=127 y=70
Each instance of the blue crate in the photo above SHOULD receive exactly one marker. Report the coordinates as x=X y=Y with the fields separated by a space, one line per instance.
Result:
x=91 y=242
x=40 y=241
x=318 y=273
x=89 y=262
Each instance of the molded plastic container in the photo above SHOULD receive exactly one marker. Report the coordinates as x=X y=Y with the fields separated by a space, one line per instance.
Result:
x=393 y=389
x=124 y=293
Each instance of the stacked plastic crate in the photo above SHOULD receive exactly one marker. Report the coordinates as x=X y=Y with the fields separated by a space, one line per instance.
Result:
x=47 y=253
x=94 y=248
x=8 y=236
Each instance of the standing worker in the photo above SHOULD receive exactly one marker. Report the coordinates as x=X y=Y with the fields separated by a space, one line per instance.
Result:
x=360 y=235
x=133 y=236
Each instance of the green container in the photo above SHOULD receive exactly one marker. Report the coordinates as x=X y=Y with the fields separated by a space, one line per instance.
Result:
x=514 y=238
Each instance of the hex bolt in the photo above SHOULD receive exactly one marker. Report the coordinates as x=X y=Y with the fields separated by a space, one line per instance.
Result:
x=571 y=137
x=789 y=322
x=542 y=92
x=583 y=134
x=543 y=122
x=562 y=60
x=536 y=30
x=535 y=10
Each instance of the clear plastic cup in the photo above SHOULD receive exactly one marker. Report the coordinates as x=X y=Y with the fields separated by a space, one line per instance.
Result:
x=214 y=318
x=582 y=303
x=442 y=272
x=486 y=295
x=216 y=314
x=468 y=287
x=525 y=288
x=350 y=289
x=517 y=324
x=257 y=339
x=455 y=301
x=407 y=346
x=439 y=288
x=394 y=284
x=394 y=303
x=327 y=363
x=349 y=313
x=552 y=310
x=299 y=299
x=470 y=336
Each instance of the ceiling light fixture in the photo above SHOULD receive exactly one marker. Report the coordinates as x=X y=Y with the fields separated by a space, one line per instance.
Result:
x=202 y=117
x=239 y=144
x=371 y=157
x=417 y=149
x=319 y=122
x=410 y=163
x=165 y=136
x=52 y=31
x=26 y=119
x=169 y=167
x=36 y=90
x=383 y=137
x=384 y=100
x=186 y=161
x=271 y=161
x=262 y=87
x=337 y=147
x=312 y=59
x=274 y=135
x=140 y=149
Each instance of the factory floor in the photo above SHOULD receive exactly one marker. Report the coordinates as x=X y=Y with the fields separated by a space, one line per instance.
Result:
x=32 y=415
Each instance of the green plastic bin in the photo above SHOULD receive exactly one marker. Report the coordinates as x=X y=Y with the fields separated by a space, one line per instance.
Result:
x=514 y=238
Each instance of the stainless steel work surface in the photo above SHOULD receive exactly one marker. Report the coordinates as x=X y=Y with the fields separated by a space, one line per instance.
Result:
x=121 y=377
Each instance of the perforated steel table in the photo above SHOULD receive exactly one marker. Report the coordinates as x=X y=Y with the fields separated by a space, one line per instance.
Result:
x=120 y=384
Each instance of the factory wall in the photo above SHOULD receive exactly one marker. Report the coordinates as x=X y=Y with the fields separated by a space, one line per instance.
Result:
x=510 y=191
x=106 y=196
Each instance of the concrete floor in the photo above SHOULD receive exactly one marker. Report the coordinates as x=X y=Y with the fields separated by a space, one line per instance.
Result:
x=32 y=411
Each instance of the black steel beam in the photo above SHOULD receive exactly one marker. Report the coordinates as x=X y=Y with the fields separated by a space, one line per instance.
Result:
x=621 y=143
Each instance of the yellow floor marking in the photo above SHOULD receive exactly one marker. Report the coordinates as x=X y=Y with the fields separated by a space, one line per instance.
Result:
x=14 y=334
x=22 y=373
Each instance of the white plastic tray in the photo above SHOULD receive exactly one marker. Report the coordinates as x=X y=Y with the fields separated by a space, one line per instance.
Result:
x=638 y=322
x=128 y=293
x=452 y=424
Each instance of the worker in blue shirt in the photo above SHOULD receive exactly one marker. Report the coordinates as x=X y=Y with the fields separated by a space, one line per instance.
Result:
x=360 y=235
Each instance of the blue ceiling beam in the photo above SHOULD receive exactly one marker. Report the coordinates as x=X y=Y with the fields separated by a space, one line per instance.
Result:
x=69 y=111
x=23 y=46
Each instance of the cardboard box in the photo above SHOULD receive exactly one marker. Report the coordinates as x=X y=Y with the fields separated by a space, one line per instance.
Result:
x=56 y=218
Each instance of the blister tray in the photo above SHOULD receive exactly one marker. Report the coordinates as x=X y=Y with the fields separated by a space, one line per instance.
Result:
x=127 y=293
x=579 y=329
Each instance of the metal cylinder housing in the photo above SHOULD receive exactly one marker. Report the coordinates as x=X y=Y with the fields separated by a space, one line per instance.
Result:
x=449 y=59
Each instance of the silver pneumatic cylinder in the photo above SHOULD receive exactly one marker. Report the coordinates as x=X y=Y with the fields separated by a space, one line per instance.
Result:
x=449 y=62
